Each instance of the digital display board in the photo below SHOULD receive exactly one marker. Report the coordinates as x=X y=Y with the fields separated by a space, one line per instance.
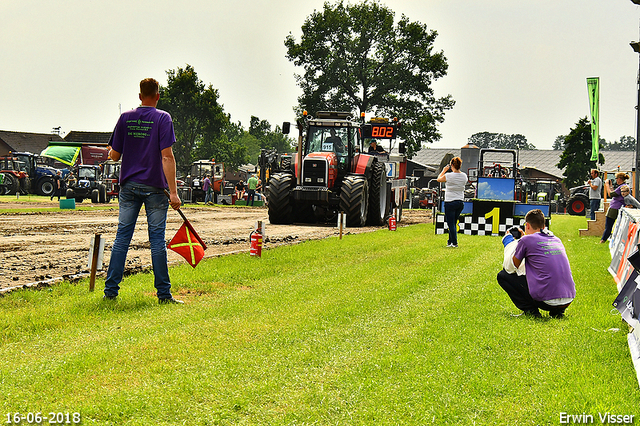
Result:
x=379 y=131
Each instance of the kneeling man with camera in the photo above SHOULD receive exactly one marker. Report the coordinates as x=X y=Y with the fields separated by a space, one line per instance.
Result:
x=545 y=282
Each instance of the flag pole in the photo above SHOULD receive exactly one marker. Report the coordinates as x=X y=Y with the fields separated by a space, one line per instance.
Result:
x=187 y=223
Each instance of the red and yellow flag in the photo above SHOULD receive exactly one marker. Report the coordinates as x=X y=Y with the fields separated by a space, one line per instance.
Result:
x=187 y=244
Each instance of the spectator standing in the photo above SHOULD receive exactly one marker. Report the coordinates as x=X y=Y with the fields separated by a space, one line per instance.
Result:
x=453 y=197
x=206 y=187
x=617 y=201
x=595 y=191
x=252 y=184
x=57 y=185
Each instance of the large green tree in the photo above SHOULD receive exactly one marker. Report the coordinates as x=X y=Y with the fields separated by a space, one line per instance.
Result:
x=500 y=141
x=198 y=118
x=576 y=156
x=356 y=59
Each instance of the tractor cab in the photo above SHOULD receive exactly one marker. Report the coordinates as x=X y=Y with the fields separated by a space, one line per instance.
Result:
x=87 y=174
x=331 y=138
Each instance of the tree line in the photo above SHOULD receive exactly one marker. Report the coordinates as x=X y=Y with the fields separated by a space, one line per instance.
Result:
x=518 y=141
x=204 y=131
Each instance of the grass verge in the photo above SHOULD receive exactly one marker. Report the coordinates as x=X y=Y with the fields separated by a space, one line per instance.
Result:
x=377 y=328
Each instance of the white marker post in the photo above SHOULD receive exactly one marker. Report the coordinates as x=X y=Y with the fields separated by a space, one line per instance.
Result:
x=96 y=255
x=342 y=222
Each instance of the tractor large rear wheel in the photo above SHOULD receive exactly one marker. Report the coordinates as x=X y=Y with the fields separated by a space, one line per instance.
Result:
x=378 y=195
x=279 y=198
x=11 y=184
x=354 y=200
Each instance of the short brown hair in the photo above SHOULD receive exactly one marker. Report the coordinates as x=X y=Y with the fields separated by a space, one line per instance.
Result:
x=149 y=87
x=535 y=218
x=456 y=162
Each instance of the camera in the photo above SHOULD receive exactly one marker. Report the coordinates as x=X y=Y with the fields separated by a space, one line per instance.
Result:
x=516 y=231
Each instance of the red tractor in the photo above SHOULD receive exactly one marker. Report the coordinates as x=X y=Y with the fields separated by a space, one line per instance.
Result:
x=331 y=173
x=15 y=178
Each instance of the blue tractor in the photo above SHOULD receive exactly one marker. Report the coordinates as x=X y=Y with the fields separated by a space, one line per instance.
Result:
x=40 y=176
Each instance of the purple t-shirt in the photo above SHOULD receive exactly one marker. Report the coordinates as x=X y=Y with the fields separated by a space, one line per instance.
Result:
x=617 y=200
x=548 y=271
x=140 y=136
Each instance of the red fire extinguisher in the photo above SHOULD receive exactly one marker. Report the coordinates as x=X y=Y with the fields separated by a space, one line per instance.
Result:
x=256 y=243
x=392 y=223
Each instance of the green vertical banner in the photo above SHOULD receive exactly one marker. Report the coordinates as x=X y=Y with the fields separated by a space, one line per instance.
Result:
x=593 y=85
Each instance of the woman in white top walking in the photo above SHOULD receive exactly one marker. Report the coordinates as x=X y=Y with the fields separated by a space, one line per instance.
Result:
x=453 y=197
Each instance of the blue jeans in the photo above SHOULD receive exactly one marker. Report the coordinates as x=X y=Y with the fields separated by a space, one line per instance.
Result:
x=207 y=197
x=452 y=210
x=250 y=194
x=594 y=206
x=131 y=198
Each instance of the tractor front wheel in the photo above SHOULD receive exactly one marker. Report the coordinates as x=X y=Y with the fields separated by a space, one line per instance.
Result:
x=354 y=200
x=45 y=187
x=279 y=198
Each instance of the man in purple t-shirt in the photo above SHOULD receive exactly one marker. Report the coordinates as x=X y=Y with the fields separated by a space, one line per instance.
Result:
x=142 y=139
x=548 y=282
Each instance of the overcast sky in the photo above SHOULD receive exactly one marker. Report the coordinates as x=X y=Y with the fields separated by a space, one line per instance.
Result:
x=515 y=66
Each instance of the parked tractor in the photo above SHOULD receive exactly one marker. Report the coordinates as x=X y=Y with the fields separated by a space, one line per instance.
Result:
x=270 y=162
x=88 y=185
x=110 y=178
x=40 y=176
x=195 y=179
x=578 y=201
x=15 y=179
x=332 y=174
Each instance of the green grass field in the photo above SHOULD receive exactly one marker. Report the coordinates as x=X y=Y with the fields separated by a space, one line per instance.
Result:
x=378 y=328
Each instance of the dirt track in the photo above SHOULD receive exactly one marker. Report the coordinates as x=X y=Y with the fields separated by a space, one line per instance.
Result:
x=44 y=246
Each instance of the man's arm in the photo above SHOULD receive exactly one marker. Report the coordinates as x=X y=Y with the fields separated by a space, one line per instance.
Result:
x=169 y=168
x=114 y=155
x=516 y=262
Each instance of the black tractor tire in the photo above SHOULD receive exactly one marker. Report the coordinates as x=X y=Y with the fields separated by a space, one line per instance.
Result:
x=286 y=164
x=69 y=194
x=378 y=195
x=354 y=200
x=102 y=194
x=11 y=184
x=577 y=205
x=279 y=198
x=95 y=195
x=46 y=187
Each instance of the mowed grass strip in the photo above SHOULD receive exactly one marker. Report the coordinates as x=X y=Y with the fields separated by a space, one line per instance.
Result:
x=378 y=328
